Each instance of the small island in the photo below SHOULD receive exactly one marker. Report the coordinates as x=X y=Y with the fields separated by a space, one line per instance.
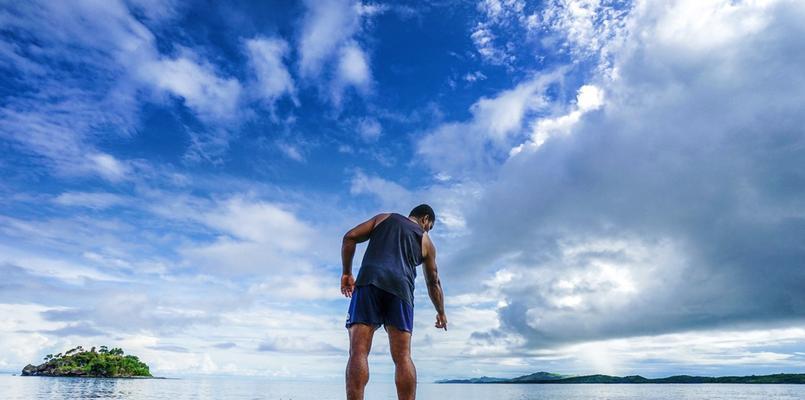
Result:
x=103 y=363
x=547 y=377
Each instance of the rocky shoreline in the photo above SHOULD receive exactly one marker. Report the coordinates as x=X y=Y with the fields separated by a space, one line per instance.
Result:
x=50 y=371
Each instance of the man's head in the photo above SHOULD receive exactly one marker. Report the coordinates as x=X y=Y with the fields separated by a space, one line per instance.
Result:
x=424 y=215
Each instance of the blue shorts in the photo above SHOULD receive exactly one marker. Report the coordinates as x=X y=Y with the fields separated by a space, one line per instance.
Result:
x=374 y=306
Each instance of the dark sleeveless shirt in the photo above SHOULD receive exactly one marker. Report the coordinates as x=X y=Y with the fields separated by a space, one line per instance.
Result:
x=390 y=261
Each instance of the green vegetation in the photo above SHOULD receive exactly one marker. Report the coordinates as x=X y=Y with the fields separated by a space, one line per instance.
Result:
x=545 y=377
x=79 y=362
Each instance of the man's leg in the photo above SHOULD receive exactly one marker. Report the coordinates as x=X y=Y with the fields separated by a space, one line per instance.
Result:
x=360 y=343
x=404 y=370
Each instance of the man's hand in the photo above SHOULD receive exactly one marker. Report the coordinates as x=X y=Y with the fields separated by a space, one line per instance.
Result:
x=441 y=321
x=347 y=285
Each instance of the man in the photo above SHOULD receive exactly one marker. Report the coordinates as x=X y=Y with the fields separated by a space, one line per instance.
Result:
x=384 y=292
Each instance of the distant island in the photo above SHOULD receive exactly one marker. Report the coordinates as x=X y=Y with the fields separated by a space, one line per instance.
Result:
x=547 y=377
x=103 y=363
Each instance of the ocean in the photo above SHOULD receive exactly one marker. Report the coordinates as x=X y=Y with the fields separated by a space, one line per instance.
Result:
x=243 y=388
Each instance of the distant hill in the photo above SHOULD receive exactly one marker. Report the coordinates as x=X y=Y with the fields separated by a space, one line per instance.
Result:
x=547 y=377
x=103 y=363
x=539 y=376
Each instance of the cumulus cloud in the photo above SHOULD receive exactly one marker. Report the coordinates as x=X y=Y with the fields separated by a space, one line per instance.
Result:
x=488 y=134
x=261 y=222
x=327 y=25
x=589 y=98
x=212 y=97
x=266 y=56
x=330 y=55
x=353 y=67
x=670 y=208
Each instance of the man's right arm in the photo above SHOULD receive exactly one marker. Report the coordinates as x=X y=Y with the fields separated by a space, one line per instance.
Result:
x=432 y=279
x=358 y=234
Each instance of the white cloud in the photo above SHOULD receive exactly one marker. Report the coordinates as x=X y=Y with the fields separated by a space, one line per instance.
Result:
x=696 y=351
x=502 y=115
x=709 y=25
x=474 y=76
x=24 y=348
x=369 y=129
x=61 y=119
x=353 y=67
x=298 y=286
x=484 y=41
x=296 y=345
x=449 y=200
x=587 y=28
x=503 y=17
x=108 y=166
x=252 y=237
x=184 y=270
x=589 y=98
x=53 y=267
x=90 y=200
x=291 y=151
x=260 y=222
x=212 y=97
x=328 y=24
x=330 y=55
x=497 y=9
x=392 y=196
x=266 y=57
x=677 y=163
x=495 y=121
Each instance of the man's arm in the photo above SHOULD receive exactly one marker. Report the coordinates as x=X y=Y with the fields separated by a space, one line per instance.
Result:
x=358 y=234
x=432 y=279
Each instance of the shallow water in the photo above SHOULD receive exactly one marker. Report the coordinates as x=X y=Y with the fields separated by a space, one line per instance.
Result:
x=29 y=388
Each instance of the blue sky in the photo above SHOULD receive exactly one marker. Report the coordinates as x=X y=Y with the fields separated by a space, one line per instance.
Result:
x=617 y=184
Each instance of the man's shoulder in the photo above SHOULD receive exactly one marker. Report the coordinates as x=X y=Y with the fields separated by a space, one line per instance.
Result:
x=382 y=217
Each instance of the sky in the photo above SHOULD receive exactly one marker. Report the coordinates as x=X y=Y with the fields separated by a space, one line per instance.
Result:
x=619 y=185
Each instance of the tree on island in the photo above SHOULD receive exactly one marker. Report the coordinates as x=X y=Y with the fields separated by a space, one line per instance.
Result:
x=79 y=362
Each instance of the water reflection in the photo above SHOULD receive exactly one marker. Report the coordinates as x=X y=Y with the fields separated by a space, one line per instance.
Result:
x=237 y=388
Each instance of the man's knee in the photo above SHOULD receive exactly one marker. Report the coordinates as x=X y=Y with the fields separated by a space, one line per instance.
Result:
x=360 y=348
x=358 y=352
x=401 y=358
x=401 y=353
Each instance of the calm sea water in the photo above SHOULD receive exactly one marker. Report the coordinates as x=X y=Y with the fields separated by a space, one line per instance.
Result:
x=30 y=388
